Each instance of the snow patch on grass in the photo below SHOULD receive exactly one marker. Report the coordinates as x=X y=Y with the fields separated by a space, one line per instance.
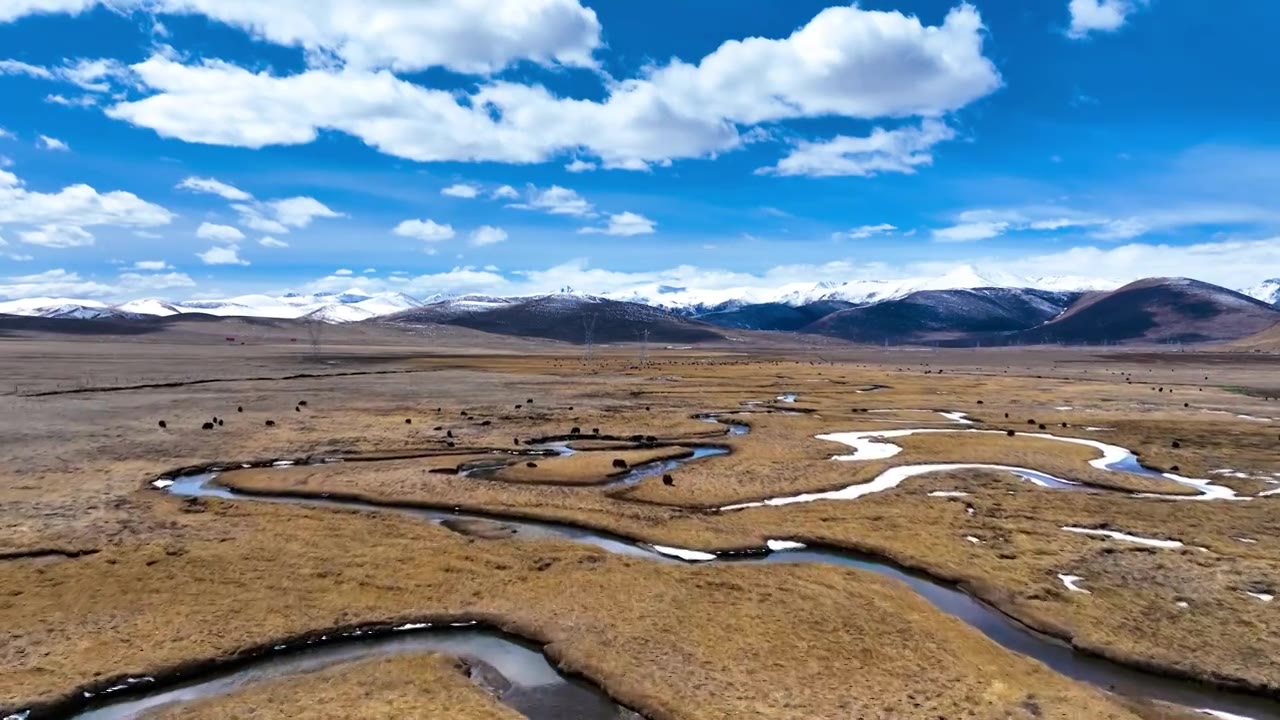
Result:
x=1070 y=581
x=1114 y=535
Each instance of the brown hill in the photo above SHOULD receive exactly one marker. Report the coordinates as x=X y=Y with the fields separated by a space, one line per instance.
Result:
x=1155 y=310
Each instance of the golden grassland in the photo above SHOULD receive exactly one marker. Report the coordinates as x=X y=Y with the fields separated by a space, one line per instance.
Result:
x=237 y=575
x=585 y=468
x=429 y=687
x=200 y=580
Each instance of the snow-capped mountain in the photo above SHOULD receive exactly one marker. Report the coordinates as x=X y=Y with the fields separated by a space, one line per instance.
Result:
x=1268 y=291
x=54 y=307
x=857 y=292
x=350 y=306
x=690 y=301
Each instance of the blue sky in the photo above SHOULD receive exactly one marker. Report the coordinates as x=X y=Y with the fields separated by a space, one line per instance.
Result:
x=188 y=148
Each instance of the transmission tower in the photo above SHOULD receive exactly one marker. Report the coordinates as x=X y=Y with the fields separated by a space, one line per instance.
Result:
x=644 y=347
x=589 y=331
x=315 y=333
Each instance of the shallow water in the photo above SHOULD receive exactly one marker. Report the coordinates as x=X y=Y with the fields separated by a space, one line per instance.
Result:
x=536 y=689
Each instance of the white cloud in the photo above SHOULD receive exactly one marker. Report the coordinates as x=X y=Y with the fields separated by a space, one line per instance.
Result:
x=95 y=75
x=135 y=282
x=64 y=283
x=506 y=192
x=982 y=224
x=862 y=232
x=83 y=101
x=222 y=255
x=968 y=232
x=75 y=205
x=901 y=150
x=298 y=212
x=901 y=68
x=624 y=224
x=220 y=233
x=579 y=165
x=1099 y=15
x=6 y=134
x=462 y=190
x=556 y=200
x=251 y=216
x=424 y=230
x=272 y=243
x=17 y=67
x=277 y=216
x=56 y=283
x=487 y=235
x=57 y=236
x=468 y=36
x=152 y=265
x=370 y=270
x=343 y=272
x=44 y=142
x=214 y=187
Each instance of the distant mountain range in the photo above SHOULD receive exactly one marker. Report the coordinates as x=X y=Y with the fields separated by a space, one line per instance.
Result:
x=964 y=307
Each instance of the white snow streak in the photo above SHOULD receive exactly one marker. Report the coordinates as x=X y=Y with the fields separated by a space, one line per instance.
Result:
x=1070 y=581
x=1114 y=535
x=683 y=554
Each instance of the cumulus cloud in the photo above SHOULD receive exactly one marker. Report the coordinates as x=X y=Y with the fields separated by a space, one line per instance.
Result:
x=624 y=224
x=214 y=187
x=57 y=236
x=63 y=283
x=220 y=233
x=579 y=165
x=57 y=282
x=343 y=272
x=462 y=190
x=506 y=192
x=222 y=255
x=272 y=243
x=487 y=235
x=44 y=142
x=862 y=232
x=152 y=265
x=901 y=150
x=57 y=220
x=425 y=230
x=298 y=212
x=277 y=216
x=1099 y=15
x=555 y=200
x=675 y=110
x=468 y=36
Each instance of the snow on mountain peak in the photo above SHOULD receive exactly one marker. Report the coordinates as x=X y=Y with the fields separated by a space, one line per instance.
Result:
x=1268 y=291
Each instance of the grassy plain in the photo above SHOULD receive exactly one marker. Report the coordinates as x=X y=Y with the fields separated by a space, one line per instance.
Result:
x=204 y=579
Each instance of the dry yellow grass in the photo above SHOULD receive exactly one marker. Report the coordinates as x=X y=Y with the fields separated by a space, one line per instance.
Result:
x=698 y=646
x=584 y=468
x=202 y=584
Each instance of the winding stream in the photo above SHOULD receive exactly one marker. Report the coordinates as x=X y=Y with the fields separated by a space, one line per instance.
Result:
x=516 y=672
x=538 y=691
